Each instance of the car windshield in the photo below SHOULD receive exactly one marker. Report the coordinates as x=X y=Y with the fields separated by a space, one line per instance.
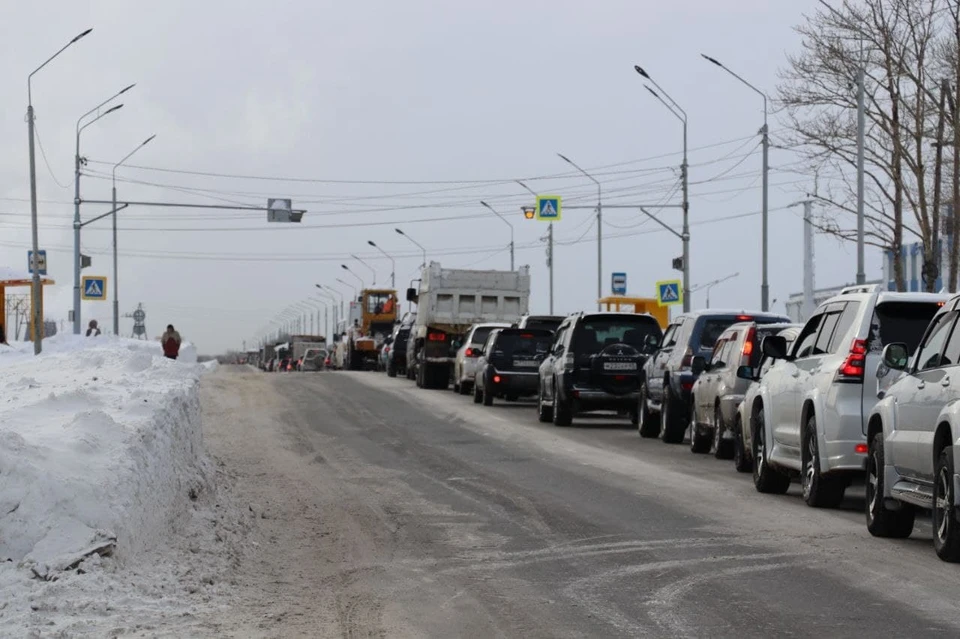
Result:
x=523 y=342
x=596 y=333
x=311 y=353
x=900 y=322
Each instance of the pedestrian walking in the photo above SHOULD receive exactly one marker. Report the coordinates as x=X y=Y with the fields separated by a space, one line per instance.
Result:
x=171 y=342
x=93 y=329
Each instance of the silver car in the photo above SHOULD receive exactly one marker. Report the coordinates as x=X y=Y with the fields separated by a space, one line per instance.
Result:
x=465 y=363
x=718 y=391
x=743 y=437
x=913 y=434
x=810 y=417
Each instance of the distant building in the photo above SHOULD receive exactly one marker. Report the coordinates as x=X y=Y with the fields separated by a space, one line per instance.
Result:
x=912 y=256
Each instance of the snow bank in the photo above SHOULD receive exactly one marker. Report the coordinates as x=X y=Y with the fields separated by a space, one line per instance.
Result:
x=100 y=449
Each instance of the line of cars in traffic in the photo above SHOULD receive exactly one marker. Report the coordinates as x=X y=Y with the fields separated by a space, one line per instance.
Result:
x=865 y=390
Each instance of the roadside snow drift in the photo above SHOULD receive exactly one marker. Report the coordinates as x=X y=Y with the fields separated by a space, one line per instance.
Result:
x=101 y=450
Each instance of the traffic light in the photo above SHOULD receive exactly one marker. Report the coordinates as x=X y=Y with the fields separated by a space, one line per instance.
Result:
x=529 y=212
x=678 y=263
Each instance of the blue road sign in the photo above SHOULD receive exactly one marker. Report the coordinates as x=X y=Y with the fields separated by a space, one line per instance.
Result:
x=618 y=283
x=94 y=287
x=548 y=208
x=668 y=293
x=41 y=262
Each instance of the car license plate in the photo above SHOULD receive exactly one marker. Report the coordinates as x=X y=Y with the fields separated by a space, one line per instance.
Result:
x=526 y=363
x=620 y=366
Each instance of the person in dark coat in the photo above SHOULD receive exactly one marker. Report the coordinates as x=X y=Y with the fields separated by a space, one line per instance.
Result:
x=171 y=342
x=93 y=329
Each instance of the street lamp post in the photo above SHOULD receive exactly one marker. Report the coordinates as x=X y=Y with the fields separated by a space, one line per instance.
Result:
x=599 y=227
x=372 y=270
x=351 y=272
x=116 y=299
x=417 y=244
x=330 y=291
x=351 y=287
x=35 y=310
x=77 y=266
x=681 y=115
x=765 y=138
x=393 y=263
x=494 y=211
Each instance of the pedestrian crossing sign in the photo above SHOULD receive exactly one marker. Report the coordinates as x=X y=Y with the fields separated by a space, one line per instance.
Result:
x=548 y=208
x=94 y=287
x=669 y=292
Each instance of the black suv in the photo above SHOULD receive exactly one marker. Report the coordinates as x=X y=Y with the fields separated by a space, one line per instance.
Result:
x=397 y=356
x=668 y=375
x=509 y=364
x=594 y=364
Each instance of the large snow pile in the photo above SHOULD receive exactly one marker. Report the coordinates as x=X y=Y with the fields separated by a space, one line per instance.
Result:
x=101 y=450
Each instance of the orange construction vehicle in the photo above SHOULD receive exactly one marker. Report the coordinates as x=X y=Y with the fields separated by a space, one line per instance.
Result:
x=646 y=305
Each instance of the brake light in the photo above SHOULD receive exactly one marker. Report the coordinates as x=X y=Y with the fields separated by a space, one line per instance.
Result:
x=526 y=335
x=748 y=346
x=686 y=385
x=855 y=363
x=468 y=352
x=496 y=379
x=744 y=318
x=436 y=337
x=861 y=449
x=687 y=358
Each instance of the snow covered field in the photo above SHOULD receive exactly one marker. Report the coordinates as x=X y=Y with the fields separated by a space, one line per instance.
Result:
x=109 y=521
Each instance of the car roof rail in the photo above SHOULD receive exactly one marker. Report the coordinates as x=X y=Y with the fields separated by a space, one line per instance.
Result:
x=859 y=288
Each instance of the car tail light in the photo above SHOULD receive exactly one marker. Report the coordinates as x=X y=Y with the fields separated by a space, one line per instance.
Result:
x=855 y=363
x=686 y=385
x=747 y=353
x=496 y=379
x=687 y=358
x=569 y=362
x=469 y=352
x=861 y=449
x=744 y=318
x=436 y=337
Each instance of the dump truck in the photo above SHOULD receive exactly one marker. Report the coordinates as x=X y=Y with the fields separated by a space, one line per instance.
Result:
x=449 y=302
x=370 y=322
x=300 y=344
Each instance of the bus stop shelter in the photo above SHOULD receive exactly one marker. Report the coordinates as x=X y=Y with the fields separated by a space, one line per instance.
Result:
x=11 y=278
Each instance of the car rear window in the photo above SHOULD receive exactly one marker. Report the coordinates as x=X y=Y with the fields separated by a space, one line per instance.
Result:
x=481 y=334
x=596 y=333
x=523 y=341
x=900 y=322
x=713 y=327
x=546 y=323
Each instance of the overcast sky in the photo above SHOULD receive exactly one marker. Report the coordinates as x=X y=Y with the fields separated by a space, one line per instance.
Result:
x=448 y=100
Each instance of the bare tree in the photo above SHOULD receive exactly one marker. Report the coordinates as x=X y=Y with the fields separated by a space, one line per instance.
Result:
x=893 y=41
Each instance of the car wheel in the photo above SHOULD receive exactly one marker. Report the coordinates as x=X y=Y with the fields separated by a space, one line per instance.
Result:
x=457 y=387
x=649 y=425
x=391 y=370
x=883 y=521
x=818 y=491
x=741 y=461
x=487 y=398
x=562 y=415
x=765 y=478
x=463 y=389
x=672 y=425
x=946 y=535
x=544 y=411
x=722 y=448
x=477 y=394
x=700 y=442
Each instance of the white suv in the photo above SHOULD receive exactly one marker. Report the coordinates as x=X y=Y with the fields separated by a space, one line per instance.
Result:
x=809 y=416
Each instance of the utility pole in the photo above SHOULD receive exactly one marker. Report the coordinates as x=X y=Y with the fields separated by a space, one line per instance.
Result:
x=808 y=305
x=550 y=261
x=599 y=226
x=861 y=128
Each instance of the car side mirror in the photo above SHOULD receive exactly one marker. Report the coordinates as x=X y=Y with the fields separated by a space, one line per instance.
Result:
x=457 y=343
x=747 y=372
x=895 y=356
x=698 y=365
x=652 y=341
x=412 y=295
x=774 y=346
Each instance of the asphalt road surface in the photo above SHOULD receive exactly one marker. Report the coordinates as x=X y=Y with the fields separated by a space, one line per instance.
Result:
x=393 y=511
